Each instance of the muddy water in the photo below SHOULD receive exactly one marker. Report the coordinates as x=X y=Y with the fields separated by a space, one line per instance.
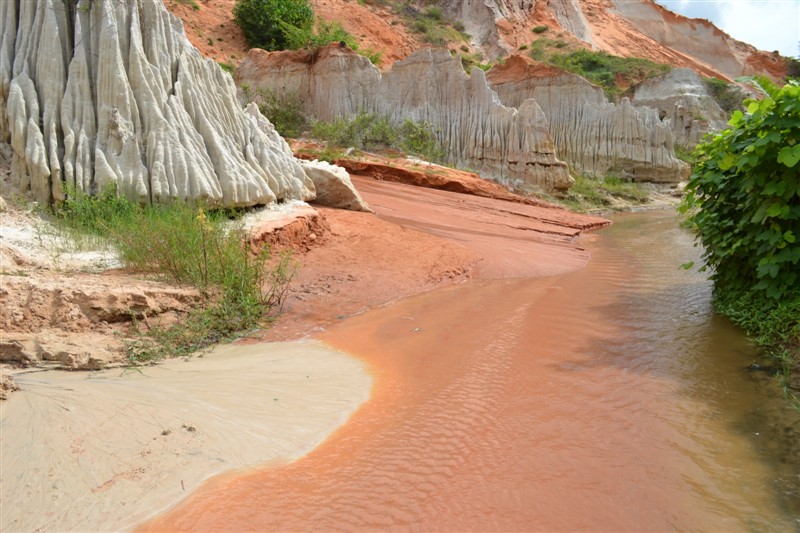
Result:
x=606 y=399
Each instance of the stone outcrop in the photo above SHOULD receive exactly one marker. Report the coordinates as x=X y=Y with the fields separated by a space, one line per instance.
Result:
x=509 y=145
x=681 y=96
x=333 y=185
x=594 y=136
x=96 y=93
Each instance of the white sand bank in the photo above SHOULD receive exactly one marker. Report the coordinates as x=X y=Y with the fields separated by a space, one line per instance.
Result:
x=103 y=451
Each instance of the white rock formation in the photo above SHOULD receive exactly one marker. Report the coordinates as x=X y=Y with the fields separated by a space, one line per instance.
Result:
x=594 y=136
x=681 y=96
x=333 y=185
x=510 y=145
x=106 y=92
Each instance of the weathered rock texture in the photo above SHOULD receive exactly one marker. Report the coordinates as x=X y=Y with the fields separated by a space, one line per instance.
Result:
x=625 y=28
x=594 y=136
x=682 y=97
x=333 y=185
x=101 y=92
x=509 y=145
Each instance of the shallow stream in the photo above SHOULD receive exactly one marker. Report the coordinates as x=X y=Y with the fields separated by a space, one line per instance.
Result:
x=611 y=398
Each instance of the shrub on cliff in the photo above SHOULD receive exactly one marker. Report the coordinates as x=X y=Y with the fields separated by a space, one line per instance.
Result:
x=268 y=24
x=744 y=200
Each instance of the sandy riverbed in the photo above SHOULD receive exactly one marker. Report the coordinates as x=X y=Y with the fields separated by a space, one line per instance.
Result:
x=105 y=450
x=102 y=451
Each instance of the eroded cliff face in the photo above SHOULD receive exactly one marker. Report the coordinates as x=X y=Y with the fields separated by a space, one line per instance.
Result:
x=510 y=145
x=101 y=92
x=682 y=97
x=594 y=136
x=620 y=27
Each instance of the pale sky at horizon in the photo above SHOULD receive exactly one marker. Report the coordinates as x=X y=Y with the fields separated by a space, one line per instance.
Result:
x=766 y=24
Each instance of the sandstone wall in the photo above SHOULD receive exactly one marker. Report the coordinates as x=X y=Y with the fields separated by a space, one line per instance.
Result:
x=594 y=136
x=510 y=145
x=681 y=96
x=100 y=92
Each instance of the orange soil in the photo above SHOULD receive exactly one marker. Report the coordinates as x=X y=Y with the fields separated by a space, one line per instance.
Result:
x=421 y=239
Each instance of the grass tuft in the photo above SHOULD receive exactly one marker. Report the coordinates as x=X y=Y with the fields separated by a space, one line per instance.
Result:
x=191 y=246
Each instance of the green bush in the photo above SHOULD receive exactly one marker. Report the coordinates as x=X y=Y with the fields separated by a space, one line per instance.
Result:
x=268 y=24
x=284 y=111
x=744 y=197
x=188 y=245
x=540 y=29
x=367 y=131
x=728 y=96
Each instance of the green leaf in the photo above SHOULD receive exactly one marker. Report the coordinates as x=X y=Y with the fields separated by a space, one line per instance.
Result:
x=727 y=162
x=789 y=155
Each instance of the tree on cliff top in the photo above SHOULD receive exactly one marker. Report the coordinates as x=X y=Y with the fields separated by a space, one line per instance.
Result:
x=268 y=24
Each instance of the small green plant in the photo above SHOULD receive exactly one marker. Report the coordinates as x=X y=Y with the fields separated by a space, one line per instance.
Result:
x=728 y=96
x=540 y=29
x=227 y=67
x=284 y=111
x=367 y=131
x=591 y=194
x=433 y=13
x=191 y=246
x=192 y=3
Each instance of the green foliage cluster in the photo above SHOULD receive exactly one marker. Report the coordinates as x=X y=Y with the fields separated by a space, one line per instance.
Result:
x=431 y=23
x=474 y=60
x=591 y=194
x=606 y=70
x=744 y=198
x=325 y=33
x=540 y=29
x=189 y=245
x=284 y=110
x=367 y=131
x=728 y=96
x=268 y=24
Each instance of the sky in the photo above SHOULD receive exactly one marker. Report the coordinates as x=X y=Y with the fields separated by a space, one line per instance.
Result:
x=766 y=24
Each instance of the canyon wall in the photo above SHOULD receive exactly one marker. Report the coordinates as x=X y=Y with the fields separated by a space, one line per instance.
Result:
x=625 y=28
x=594 y=136
x=104 y=92
x=508 y=144
x=682 y=97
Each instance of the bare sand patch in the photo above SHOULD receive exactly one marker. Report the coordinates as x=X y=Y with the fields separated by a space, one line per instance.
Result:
x=132 y=443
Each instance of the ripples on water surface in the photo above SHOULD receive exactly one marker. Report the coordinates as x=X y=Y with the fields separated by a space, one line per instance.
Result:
x=607 y=399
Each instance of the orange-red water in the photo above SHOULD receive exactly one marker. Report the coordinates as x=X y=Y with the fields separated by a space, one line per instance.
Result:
x=609 y=399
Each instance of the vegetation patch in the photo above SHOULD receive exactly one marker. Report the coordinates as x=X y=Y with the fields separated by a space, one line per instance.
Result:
x=611 y=192
x=743 y=198
x=729 y=96
x=601 y=68
x=284 y=110
x=269 y=24
x=191 y=246
x=367 y=131
x=431 y=24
